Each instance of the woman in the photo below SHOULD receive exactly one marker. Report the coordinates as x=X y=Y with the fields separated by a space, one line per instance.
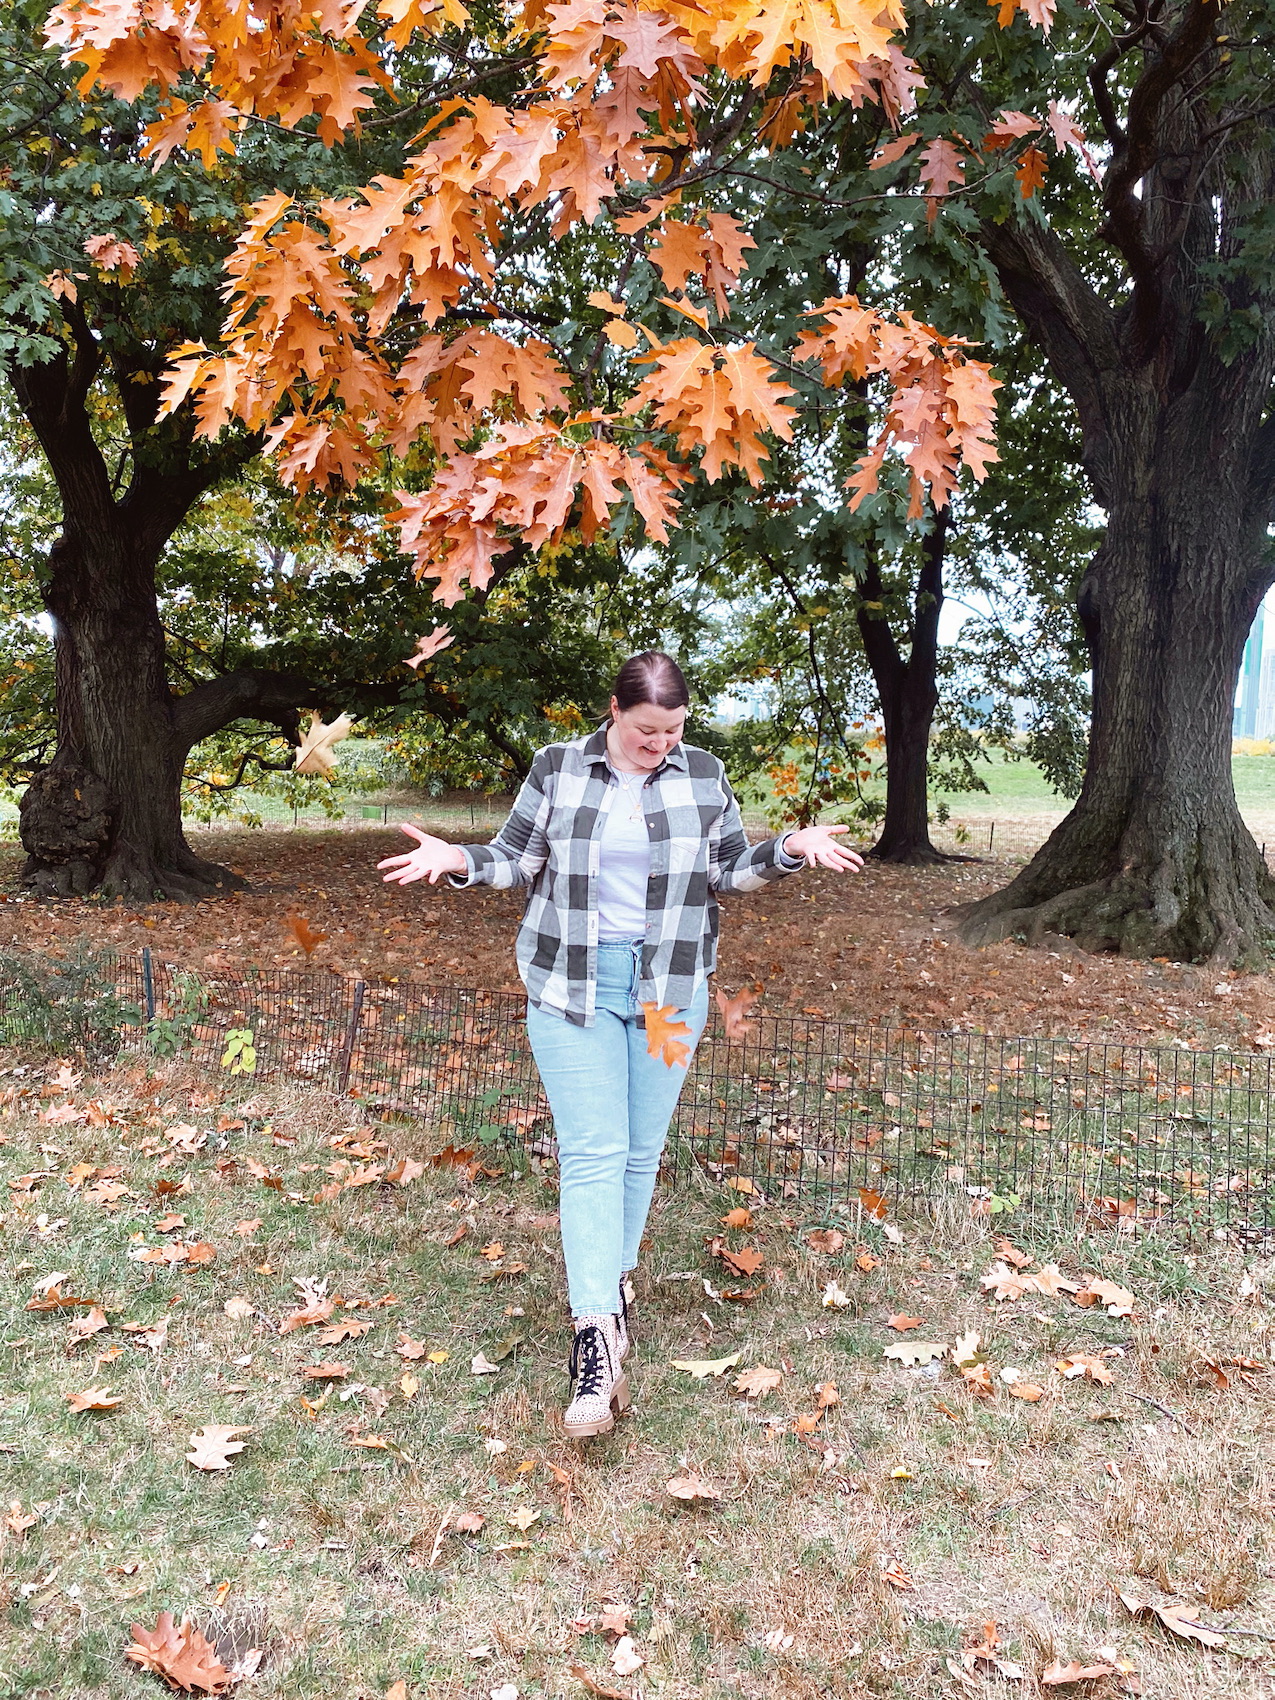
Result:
x=624 y=839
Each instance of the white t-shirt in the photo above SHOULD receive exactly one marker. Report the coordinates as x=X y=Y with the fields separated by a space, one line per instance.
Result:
x=624 y=863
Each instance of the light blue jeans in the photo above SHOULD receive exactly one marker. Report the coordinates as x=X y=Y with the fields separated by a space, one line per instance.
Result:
x=612 y=1103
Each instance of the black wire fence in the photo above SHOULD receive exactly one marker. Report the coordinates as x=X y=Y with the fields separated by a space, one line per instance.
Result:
x=828 y=1112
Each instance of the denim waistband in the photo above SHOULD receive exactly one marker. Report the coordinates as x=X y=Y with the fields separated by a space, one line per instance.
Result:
x=620 y=944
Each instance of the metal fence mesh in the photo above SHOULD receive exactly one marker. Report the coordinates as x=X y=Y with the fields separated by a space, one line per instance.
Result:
x=801 y=1107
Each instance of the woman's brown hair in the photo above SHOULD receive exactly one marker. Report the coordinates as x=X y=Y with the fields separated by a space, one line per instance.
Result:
x=651 y=677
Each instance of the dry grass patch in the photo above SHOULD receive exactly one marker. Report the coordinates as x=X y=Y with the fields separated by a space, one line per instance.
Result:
x=410 y=1520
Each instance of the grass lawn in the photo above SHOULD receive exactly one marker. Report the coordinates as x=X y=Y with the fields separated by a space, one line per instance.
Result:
x=401 y=1518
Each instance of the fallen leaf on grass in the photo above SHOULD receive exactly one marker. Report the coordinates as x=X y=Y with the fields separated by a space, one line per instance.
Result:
x=339 y=1331
x=898 y=1578
x=238 y=1309
x=524 y=1517
x=625 y=1658
x=326 y=1372
x=597 y=1688
x=84 y=1327
x=834 y=1298
x=966 y=1348
x=410 y=1349
x=373 y=1442
x=405 y=1171
x=1116 y=1301
x=744 y=1262
x=1012 y=1255
x=1177 y=1619
x=214 y=1445
x=901 y=1324
x=469 y=1522
x=1026 y=1390
x=409 y=1387
x=1051 y=1281
x=53 y=1298
x=246 y=1227
x=866 y=1260
x=201 y=1253
x=152 y=1335
x=182 y=1656
x=94 y=1399
x=978 y=1378
x=1085 y=1364
x=874 y=1204
x=700 y=1367
x=826 y=1395
x=913 y=1352
x=827 y=1241
x=1058 y=1675
x=481 y=1366
x=318 y=1312
x=396 y=1690
x=756 y=1383
x=739 y=1217
x=452 y=1157
x=691 y=1487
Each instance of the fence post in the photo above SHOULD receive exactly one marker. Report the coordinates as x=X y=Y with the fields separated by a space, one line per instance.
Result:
x=351 y=1034
x=148 y=982
x=991 y=833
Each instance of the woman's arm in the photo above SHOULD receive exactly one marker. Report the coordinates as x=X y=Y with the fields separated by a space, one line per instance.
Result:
x=514 y=857
x=737 y=865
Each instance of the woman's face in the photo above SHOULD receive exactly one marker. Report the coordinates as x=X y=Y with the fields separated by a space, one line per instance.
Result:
x=642 y=736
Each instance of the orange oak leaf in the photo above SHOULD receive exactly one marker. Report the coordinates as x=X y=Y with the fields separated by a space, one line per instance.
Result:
x=663 y=1034
x=735 y=1010
x=94 y=1399
x=1032 y=168
x=304 y=934
x=183 y=1656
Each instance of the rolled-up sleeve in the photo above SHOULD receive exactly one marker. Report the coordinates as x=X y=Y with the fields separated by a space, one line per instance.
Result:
x=520 y=849
x=737 y=865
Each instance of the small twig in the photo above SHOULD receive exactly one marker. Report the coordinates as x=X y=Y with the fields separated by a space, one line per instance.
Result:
x=438 y=1538
x=1163 y=1410
x=1011 y=1504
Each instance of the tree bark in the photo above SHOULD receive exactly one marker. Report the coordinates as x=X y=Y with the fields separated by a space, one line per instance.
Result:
x=908 y=693
x=105 y=815
x=1155 y=859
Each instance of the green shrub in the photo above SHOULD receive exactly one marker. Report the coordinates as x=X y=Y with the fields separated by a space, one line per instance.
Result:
x=64 y=1005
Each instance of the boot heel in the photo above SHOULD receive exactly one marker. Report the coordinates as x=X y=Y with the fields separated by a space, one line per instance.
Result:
x=620 y=1397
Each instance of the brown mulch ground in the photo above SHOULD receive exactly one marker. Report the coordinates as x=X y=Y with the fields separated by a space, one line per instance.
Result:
x=878 y=947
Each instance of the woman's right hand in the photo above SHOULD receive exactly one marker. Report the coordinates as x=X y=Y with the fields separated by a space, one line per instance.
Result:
x=432 y=858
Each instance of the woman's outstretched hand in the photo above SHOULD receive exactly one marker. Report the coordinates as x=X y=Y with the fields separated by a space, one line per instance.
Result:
x=432 y=858
x=818 y=845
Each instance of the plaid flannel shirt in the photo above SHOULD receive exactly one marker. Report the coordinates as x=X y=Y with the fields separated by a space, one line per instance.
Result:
x=550 y=843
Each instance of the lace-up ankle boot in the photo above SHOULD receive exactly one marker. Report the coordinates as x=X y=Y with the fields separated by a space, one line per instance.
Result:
x=600 y=1389
x=622 y=1319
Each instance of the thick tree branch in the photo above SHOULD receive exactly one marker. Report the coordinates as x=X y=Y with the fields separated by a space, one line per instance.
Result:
x=250 y=693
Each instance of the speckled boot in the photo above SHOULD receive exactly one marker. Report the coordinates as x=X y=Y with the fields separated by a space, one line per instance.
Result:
x=600 y=1389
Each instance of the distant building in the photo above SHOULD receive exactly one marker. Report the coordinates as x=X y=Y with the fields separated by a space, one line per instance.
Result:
x=1255 y=688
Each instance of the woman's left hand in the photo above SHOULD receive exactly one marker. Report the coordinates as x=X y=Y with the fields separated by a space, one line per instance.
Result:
x=818 y=846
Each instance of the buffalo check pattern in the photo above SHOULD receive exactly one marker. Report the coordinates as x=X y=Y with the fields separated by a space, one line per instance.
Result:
x=550 y=844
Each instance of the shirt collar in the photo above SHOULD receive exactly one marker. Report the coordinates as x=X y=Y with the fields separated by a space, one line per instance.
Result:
x=595 y=752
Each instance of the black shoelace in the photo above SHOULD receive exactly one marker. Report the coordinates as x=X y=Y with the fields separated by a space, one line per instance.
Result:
x=586 y=1367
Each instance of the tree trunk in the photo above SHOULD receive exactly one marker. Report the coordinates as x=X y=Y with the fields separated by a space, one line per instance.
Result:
x=118 y=746
x=908 y=693
x=1154 y=859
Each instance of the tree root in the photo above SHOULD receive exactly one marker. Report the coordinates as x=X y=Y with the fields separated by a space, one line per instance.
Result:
x=136 y=879
x=918 y=855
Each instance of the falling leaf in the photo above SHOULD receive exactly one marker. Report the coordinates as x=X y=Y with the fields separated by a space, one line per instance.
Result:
x=734 y=1011
x=238 y=1309
x=874 y=1204
x=827 y=1241
x=757 y=1383
x=304 y=934
x=429 y=644
x=834 y=1298
x=314 y=753
x=701 y=1367
x=913 y=1352
x=902 y=1323
x=663 y=1034
x=214 y=1445
x=94 y=1399
x=182 y=1656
